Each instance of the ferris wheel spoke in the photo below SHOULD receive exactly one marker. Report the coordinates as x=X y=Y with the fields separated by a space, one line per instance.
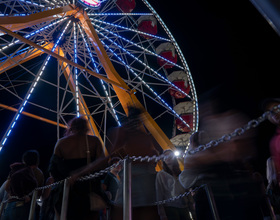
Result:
x=28 y=94
x=112 y=110
x=141 y=48
x=164 y=103
x=144 y=64
x=130 y=30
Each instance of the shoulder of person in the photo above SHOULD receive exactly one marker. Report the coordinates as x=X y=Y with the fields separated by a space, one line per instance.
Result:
x=162 y=174
x=94 y=139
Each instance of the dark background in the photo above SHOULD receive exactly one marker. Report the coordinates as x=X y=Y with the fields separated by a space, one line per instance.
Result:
x=227 y=44
x=230 y=49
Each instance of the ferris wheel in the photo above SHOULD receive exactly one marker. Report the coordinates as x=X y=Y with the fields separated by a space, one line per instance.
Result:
x=65 y=58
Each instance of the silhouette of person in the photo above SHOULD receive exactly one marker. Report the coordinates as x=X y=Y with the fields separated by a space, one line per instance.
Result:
x=23 y=179
x=71 y=153
x=131 y=139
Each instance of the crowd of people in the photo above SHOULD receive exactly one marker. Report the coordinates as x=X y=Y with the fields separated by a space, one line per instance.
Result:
x=216 y=183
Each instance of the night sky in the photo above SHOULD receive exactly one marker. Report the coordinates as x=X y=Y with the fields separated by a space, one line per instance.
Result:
x=227 y=45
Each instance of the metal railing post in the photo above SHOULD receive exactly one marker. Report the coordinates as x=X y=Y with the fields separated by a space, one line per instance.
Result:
x=33 y=205
x=2 y=208
x=64 y=207
x=212 y=202
x=127 y=214
x=270 y=208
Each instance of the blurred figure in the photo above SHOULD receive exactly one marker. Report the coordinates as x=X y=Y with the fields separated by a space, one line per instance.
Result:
x=225 y=169
x=168 y=186
x=132 y=139
x=112 y=180
x=273 y=189
x=3 y=192
x=31 y=158
x=71 y=153
x=273 y=163
x=111 y=184
x=47 y=211
x=274 y=118
x=23 y=179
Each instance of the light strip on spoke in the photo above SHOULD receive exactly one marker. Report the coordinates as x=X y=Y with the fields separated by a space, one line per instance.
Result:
x=29 y=93
x=165 y=103
x=102 y=82
x=144 y=64
x=131 y=30
x=76 y=72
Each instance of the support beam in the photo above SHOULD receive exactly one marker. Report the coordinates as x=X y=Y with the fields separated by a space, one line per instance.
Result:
x=67 y=73
x=126 y=98
x=60 y=58
x=15 y=23
x=32 y=115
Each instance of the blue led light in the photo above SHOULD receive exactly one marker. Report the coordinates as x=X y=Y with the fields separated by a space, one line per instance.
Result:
x=76 y=73
x=135 y=58
x=31 y=88
x=120 y=14
x=131 y=30
x=131 y=70
x=102 y=82
x=142 y=48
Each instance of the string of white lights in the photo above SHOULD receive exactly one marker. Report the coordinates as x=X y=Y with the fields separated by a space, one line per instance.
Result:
x=32 y=33
x=131 y=30
x=140 y=61
x=140 y=47
x=30 y=91
x=33 y=3
x=144 y=83
x=102 y=82
x=191 y=83
x=119 y=14
x=76 y=72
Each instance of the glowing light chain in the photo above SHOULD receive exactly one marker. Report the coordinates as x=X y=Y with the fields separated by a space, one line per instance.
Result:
x=181 y=56
x=140 y=47
x=119 y=14
x=15 y=15
x=144 y=64
x=29 y=93
x=76 y=73
x=165 y=103
x=132 y=30
x=32 y=3
x=102 y=82
x=32 y=33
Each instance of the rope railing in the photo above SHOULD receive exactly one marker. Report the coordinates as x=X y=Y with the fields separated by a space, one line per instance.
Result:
x=155 y=158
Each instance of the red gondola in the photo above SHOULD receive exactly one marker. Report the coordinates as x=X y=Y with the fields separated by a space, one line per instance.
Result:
x=167 y=51
x=180 y=80
x=126 y=6
x=184 y=109
x=147 y=24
